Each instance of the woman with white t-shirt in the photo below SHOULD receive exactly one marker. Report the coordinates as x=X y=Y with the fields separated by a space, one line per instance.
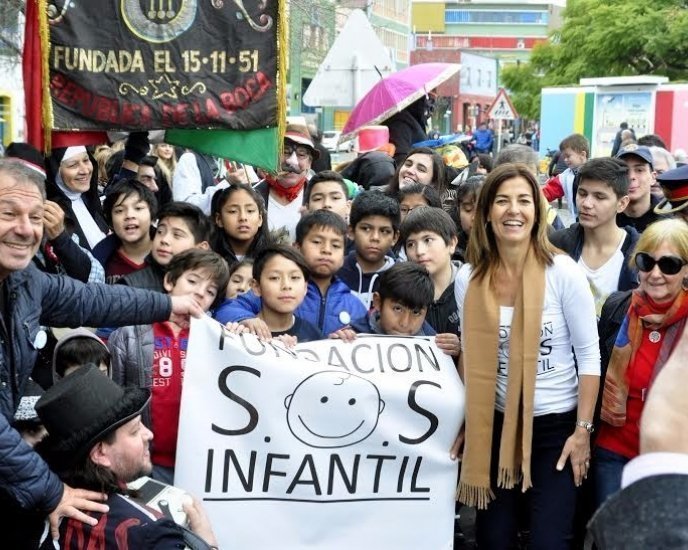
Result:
x=525 y=310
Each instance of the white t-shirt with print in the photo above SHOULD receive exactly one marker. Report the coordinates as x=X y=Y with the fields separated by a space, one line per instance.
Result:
x=568 y=321
x=285 y=215
x=605 y=279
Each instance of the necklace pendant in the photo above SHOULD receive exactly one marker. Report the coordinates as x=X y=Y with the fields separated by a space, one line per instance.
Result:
x=655 y=336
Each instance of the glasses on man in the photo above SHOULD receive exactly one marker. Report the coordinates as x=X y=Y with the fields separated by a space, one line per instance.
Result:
x=302 y=153
x=669 y=265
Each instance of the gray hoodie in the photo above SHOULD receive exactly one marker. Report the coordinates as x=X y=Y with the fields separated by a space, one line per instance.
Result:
x=70 y=335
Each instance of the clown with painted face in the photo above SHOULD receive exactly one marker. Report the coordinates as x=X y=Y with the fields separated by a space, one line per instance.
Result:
x=283 y=192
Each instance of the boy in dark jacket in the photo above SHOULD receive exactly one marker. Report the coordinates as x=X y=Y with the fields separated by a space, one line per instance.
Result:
x=129 y=208
x=327 y=190
x=429 y=237
x=399 y=308
x=329 y=304
x=181 y=226
x=374 y=227
x=280 y=279
x=601 y=248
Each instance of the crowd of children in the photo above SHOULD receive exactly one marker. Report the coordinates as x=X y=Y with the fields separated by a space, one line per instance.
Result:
x=378 y=261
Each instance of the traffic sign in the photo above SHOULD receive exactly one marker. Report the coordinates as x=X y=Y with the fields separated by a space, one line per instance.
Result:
x=502 y=108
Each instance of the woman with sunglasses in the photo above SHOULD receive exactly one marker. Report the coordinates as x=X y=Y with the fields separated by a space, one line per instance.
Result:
x=655 y=316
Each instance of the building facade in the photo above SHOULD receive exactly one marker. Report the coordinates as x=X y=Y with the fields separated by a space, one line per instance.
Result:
x=463 y=100
x=11 y=85
x=506 y=29
x=311 y=33
x=482 y=35
x=390 y=19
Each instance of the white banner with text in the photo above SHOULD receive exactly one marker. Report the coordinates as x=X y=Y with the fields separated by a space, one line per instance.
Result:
x=331 y=445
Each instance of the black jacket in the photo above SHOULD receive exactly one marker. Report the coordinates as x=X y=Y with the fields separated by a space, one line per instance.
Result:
x=148 y=278
x=371 y=169
x=62 y=256
x=34 y=299
x=407 y=128
x=641 y=223
x=611 y=318
x=106 y=248
x=324 y=161
x=570 y=240
x=650 y=513
x=443 y=314
x=125 y=526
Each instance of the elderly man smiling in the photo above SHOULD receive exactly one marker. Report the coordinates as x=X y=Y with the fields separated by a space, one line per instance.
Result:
x=29 y=299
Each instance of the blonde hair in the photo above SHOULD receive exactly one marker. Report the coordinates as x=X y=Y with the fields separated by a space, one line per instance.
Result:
x=482 y=252
x=672 y=231
x=167 y=166
x=102 y=154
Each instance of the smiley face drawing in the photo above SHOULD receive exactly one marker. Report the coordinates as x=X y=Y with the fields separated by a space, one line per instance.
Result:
x=333 y=409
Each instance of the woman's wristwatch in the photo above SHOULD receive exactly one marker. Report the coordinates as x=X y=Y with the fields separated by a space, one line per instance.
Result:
x=589 y=426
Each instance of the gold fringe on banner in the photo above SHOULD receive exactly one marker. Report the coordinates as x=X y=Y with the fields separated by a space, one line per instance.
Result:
x=46 y=103
x=282 y=52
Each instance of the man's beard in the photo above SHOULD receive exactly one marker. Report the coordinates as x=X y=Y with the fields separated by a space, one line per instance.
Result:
x=140 y=470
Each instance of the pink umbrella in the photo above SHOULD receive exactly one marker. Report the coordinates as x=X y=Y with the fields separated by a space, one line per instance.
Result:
x=396 y=92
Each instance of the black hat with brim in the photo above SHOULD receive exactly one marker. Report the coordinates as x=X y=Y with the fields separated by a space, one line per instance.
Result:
x=82 y=409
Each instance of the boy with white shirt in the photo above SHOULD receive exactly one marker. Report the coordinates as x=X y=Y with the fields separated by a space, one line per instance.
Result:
x=596 y=242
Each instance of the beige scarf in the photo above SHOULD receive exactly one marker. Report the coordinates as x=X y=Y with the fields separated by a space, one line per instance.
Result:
x=481 y=336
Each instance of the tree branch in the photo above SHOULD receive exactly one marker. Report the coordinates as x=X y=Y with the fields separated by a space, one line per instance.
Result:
x=11 y=45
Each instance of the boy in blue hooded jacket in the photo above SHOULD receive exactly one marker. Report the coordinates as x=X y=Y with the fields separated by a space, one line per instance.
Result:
x=329 y=303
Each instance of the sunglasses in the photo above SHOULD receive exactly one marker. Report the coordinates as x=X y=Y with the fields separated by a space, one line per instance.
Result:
x=669 y=265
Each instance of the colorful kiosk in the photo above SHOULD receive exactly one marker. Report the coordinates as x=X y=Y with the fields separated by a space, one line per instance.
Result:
x=597 y=106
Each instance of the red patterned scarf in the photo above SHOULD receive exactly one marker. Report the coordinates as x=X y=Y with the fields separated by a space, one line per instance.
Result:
x=642 y=313
x=288 y=193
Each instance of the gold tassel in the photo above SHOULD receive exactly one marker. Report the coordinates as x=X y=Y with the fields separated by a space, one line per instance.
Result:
x=282 y=52
x=46 y=101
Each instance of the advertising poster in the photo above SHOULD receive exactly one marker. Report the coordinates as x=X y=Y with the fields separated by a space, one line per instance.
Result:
x=613 y=108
